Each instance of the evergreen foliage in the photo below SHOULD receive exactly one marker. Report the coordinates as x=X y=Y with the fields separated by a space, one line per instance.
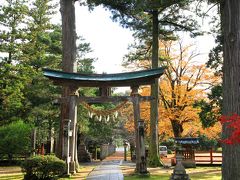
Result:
x=212 y=109
x=30 y=42
x=15 y=139
x=205 y=143
x=208 y=115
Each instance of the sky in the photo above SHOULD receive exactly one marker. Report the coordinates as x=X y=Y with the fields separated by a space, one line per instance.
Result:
x=110 y=41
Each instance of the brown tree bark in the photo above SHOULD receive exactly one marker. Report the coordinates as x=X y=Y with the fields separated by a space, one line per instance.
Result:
x=231 y=83
x=153 y=148
x=177 y=128
x=68 y=58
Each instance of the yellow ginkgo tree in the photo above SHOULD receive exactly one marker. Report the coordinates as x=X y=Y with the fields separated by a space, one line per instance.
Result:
x=185 y=81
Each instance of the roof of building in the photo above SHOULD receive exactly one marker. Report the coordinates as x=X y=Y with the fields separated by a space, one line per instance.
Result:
x=137 y=78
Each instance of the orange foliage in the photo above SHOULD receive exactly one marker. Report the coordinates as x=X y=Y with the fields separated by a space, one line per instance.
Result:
x=183 y=83
x=212 y=132
x=128 y=113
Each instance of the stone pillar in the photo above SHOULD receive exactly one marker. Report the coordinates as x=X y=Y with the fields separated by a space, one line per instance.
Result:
x=73 y=143
x=142 y=152
x=34 y=135
x=83 y=154
x=136 y=110
x=125 y=150
x=65 y=148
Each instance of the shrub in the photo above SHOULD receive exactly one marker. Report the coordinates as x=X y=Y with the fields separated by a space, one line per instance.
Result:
x=169 y=151
x=43 y=167
x=170 y=143
x=206 y=143
x=15 y=139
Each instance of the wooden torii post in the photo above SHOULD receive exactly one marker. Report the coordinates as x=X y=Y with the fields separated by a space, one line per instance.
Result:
x=132 y=79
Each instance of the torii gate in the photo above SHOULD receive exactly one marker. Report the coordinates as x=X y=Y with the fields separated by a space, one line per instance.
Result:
x=73 y=81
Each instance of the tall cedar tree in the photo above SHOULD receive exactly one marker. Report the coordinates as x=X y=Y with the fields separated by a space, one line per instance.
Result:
x=231 y=73
x=12 y=78
x=42 y=49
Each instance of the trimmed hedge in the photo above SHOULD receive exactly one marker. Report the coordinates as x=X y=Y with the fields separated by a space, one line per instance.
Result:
x=43 y=168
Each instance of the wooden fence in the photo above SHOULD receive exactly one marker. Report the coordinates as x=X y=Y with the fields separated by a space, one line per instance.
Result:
x=208 y=157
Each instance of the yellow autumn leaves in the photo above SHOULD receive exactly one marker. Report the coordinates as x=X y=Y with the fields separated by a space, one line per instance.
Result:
x=184 y=82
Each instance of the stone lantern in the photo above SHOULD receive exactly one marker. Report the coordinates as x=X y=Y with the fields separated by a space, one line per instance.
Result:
x=125 y=145
x=142 y=152
x=179 y=172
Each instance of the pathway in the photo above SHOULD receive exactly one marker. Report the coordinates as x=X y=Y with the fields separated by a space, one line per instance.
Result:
x=109 y=168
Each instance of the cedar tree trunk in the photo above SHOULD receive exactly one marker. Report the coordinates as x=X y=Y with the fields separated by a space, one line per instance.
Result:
x=68 y=58
x=153 y=148
x=231 y=83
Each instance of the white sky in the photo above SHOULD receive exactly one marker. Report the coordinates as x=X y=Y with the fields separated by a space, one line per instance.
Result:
x=108 y=39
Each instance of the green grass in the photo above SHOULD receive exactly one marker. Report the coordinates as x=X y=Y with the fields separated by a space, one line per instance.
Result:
x=12 y=177
x=167 y=176
x=206 y=176
x=10 y=172
x=199 y=173
x=162 y=177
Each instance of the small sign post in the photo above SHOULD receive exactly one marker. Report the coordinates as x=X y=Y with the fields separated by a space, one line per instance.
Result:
x=66 y=132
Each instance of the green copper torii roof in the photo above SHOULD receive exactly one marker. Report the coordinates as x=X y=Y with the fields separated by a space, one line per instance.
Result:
x=137 y=78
